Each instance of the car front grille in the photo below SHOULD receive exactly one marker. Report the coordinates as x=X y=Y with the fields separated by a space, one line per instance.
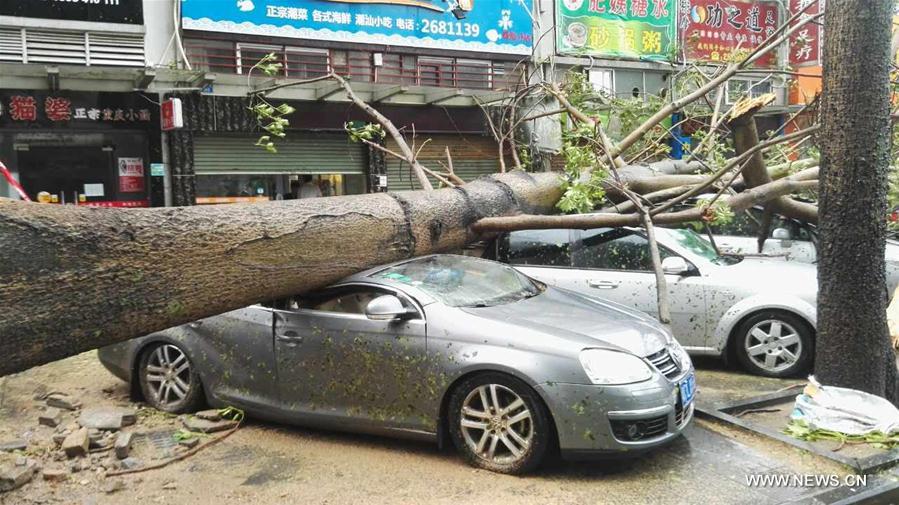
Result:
x=664 y=363
x=639 y=429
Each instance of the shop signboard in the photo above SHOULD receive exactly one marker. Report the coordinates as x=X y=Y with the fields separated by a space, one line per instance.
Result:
x=131 y=175
x=713 y=29
x=170 y=111
x=495 y=26
x=638 y=29
x=28 y=109
x=103 y=11
x=805 y=43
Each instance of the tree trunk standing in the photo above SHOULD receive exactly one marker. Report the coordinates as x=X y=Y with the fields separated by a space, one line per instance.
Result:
x=76 y=278
x=853 y=345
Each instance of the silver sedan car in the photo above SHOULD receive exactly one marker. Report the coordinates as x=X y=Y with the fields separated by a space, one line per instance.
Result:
x=761 y=312
x=442 y=348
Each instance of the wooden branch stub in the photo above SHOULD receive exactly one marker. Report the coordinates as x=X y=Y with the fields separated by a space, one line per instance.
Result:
x=747 y=107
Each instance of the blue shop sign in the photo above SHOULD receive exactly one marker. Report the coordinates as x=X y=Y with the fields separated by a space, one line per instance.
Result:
x=491 y=26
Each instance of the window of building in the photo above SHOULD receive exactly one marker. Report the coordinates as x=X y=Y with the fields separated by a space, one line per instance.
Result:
x=603 y=81
x=304 y=63
x=473 y=74
x=249 y=55
x=753 y=88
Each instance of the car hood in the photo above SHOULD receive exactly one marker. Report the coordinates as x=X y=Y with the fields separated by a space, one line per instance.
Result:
x=772 y=275
x=585 y=321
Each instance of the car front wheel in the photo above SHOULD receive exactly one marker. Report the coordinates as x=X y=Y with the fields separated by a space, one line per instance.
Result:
x=499 y=423
x=168 y=379
x=775 y=344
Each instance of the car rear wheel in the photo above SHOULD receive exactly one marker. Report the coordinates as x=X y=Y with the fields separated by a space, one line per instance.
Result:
x=499 y=423
x=775 y=344
x=168 y=379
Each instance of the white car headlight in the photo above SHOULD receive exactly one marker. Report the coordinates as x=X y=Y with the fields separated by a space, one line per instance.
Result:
x=680 y=356
x=612 y=367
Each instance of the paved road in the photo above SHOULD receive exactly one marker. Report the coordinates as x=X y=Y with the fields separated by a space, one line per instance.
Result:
x=265 y=463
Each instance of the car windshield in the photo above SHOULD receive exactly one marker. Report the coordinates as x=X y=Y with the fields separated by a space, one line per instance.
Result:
x=693 y=242
x=460 y=281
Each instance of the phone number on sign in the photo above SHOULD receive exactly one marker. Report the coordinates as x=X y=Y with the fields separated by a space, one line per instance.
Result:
x=450 y=28
x=89 y=2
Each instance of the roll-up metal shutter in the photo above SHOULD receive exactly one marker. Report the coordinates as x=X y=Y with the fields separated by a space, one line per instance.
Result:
x=473 y=157
x=298 y=153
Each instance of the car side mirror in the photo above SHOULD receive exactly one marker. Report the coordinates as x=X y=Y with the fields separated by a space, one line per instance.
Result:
x=385 y=308
x=675 y=265
x=784 y=235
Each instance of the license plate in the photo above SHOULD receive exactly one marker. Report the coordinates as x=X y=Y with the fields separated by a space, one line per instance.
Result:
x=687 y=388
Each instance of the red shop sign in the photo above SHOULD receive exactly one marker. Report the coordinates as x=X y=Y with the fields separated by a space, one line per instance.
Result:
x=805 y=43
x=131 y=175
x=715 y=28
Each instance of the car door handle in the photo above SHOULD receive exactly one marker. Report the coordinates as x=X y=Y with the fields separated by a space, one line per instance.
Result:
x=290 y=337
x=603 y=284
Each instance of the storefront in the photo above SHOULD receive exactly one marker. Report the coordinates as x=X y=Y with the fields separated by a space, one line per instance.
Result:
x=83 y=148
x=230 y=168
x=473 y=156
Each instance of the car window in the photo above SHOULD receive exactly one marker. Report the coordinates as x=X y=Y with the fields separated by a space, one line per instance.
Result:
x=536 y=247
x=615 y=249
x=743 y=224
x=344 y=300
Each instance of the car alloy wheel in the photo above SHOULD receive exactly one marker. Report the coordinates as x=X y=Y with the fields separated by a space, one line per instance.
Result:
x=773 y=345
x=496 y=424
x=167 y=379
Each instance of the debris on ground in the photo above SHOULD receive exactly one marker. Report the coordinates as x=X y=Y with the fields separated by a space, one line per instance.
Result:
x=77 y=443
x=62 y=401
x=193 y=423
x=13 y=445
x=843 y=415
x=51 y=417
x=113 y=486
x=107 y=418
x=14 y=476
x=123 y=444
x=55 y=474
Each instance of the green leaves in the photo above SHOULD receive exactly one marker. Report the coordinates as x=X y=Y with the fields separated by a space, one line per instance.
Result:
x=269 y=65
x=800 y=430
x=369 y=131
x=718 y=213
x=272 y=120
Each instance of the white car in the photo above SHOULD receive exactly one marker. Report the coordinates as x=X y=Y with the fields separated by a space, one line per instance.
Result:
x=760 y=311
x=789 y=240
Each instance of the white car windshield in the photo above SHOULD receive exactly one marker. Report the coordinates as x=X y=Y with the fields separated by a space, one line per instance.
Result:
x=460 y=281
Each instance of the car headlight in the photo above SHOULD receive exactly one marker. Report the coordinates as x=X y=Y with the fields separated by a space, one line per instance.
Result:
x=612 y=367
x=680 y=356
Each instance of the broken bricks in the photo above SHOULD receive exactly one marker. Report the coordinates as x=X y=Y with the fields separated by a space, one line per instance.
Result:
x=13 y=445
x=16 y=476
x=77 y=443
x=50 y=417
x=63 y=401
x=107 y=418
x=55 y=474
x=123 y=444
x=196 y=424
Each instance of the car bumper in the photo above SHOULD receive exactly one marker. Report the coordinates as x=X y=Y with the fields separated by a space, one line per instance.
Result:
x=117 y=358
x=616 y=420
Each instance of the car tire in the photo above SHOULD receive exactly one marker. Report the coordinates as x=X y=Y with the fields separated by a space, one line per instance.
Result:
x=168 y=380
x=774 y=343
x=510 y=439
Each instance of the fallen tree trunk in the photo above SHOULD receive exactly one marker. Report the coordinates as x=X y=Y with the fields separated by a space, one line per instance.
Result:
x=75 y=278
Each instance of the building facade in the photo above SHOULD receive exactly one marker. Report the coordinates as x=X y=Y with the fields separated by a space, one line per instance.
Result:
x=83 y=83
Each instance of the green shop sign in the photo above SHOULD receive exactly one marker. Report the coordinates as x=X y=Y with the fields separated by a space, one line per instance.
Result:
x=639 y=29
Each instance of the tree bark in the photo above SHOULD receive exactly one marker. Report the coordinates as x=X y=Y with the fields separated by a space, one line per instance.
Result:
x=853 y=344
x=75 y=278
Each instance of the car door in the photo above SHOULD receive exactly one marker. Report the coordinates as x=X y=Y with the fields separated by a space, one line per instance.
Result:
x=336 y=364
x=615 y=264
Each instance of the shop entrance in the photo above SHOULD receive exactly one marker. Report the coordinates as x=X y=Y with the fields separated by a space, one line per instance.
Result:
x=64 y=171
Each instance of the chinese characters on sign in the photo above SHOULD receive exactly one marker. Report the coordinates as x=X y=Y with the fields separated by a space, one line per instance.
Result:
x=805 y=43
x=60 y=109
x=618 y=28
x=131 y=175
x=714 y=29
x=494 y=26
